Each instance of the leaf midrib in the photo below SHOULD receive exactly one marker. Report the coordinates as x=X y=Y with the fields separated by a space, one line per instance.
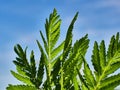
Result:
x=103 y=75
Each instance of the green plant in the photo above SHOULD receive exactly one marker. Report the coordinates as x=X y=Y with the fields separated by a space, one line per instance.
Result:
x=60 y=65
x=105 y=63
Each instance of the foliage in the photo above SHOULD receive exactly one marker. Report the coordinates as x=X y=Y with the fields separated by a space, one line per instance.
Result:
x=105 y=63
x=60 y=65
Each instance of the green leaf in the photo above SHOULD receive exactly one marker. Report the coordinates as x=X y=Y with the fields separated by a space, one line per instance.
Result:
x=68 y=40
x=40 y=72
x=110 y=64
x=114 y=63
x=24 y=79
x=75 y=82
x=113 y=67
x=21 y=60
x=18 y=49
x=42 y=52
x=55 y=60
x=110 y=82
x=96 y=59
x=32 y=66
x=45 y=42
x=56 y=71
x=87 y=72
x=117 y=41
x=102 y=54
x=83 y=82
x=20 y=87
x=52 y=30
x=84 y=87
x=52 y=27
x=57 y=50
x=20 y=71
x=79 y=48
x=110 y=52
x=74 y=60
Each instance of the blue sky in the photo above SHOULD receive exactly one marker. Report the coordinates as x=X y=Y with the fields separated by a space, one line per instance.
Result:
x=21 y=20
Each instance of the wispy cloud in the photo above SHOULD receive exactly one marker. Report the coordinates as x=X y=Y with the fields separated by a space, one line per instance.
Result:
x=110 y=3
